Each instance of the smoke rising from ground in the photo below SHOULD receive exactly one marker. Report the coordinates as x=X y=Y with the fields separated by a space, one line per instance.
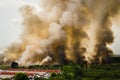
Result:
x=65 y=30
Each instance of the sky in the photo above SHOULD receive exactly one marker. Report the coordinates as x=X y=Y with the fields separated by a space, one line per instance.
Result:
x=10 y=26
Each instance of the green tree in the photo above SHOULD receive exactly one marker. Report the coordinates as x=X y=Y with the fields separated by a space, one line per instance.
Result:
x=14 y=65
x=21 y=76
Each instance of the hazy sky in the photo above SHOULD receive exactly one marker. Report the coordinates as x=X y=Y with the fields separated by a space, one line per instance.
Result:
x=10 y=26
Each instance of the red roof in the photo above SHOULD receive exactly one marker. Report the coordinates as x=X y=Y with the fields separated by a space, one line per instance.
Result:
x=27 y=71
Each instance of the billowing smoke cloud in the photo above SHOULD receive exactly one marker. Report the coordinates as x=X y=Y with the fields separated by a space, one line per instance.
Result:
x=65 y=30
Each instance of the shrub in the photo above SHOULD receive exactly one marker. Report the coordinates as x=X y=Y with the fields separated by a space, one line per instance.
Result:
x=53 y=74
x=21 y=76
x=37 y=78
x=6 y=79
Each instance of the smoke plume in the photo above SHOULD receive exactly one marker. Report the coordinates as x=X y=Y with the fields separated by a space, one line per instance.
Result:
x=65 y=30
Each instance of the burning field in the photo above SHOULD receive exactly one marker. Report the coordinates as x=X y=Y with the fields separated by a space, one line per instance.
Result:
x=59 y=31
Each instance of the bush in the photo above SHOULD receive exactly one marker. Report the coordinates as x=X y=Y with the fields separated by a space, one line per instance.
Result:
x=53 y=74
x=21 y=76
x=37 y=78
x=6 y=79
x=4 y=67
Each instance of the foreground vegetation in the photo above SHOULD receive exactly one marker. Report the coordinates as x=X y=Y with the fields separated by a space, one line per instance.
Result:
x=74 y=71
x=81 y=72
x=92 y=72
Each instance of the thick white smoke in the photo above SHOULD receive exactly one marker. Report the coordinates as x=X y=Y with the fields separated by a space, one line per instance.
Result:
x=65 y=30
